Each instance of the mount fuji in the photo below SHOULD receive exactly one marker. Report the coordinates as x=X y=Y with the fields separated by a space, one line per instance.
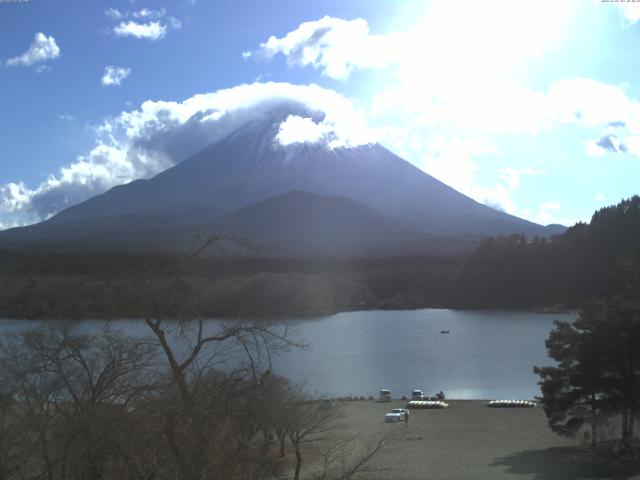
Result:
x=302 y=198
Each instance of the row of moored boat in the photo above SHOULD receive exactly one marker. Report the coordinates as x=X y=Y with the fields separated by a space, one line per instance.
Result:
x=511 y=404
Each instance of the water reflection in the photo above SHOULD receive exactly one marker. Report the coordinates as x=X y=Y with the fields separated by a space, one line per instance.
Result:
x=486 y=354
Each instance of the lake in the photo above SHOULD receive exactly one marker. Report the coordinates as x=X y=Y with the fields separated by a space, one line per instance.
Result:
x=485 y=355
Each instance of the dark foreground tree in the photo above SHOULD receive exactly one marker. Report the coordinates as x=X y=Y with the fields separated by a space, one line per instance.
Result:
x=620 y=340
x=573 y=391
x=308 y=422
x=597 y=376
x=72 y=399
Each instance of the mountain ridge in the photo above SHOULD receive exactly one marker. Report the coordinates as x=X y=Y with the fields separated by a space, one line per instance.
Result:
x=249 y=166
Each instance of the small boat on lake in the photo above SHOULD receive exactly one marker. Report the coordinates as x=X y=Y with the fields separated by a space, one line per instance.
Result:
x=444 y=331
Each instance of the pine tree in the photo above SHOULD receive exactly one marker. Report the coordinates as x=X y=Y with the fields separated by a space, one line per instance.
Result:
x=573 y=391
x=597 y=374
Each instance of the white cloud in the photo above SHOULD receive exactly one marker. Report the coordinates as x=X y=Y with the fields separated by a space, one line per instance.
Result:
x=174 y=23
x=159 y=134
x=345 y=129
x=607 y=143
x=247 y=101
x=113 y=13
x=504 y=107
x=452 y=162
x=500 y=196
x=444 y=80
x=114 y=75
x=296 y=129
x=42 y=68
x=149 y=31
x=261 y=77
x=6 y=225
x=334 y=45
x=629 y=12
x=14 y=196
x=42 y=49
x=589 y=103
x=149 y=14
x=633 y=145
x=546 y=213
x=600 y=197
x=513 y=176
x=593 y=150
x=146 y=24
x=435 y=51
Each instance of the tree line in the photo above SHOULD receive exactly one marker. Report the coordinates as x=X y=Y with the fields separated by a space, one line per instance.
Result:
x=517 y=272
x=503 y=272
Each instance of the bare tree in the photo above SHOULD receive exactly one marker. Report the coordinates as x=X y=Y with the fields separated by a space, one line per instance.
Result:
x=35 y=392
x=314 y=430
x=74 y=393
x=10 y=434
x=343 y=456
x=309 y=423
x=209 y=413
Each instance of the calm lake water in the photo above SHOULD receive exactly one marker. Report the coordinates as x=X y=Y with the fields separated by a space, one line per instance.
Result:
x=485 y=355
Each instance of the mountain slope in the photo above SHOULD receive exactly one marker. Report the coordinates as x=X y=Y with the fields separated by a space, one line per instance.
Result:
x=249 y=166
x=299 y=222
x=305 y=214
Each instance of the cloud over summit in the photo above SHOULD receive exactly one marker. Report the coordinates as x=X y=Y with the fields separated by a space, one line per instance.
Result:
x=143 y=142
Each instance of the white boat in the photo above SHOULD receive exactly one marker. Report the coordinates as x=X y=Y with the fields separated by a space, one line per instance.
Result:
x=427 y=404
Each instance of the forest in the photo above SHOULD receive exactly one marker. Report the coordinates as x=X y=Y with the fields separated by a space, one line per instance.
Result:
x=503 y=272
x=586 y=261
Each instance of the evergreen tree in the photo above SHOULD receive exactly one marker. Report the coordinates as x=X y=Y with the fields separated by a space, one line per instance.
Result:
x=573 y=391
x=597 y=375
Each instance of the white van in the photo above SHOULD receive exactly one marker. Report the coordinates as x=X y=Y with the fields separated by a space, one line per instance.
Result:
x=417 y=395
x=385 y=395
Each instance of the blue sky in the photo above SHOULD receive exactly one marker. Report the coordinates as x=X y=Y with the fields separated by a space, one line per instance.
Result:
x=531 y=107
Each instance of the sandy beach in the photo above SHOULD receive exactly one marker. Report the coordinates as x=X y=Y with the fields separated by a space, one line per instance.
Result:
x=469 y=440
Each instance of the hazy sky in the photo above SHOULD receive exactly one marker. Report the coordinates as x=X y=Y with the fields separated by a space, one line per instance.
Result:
x=529 y=106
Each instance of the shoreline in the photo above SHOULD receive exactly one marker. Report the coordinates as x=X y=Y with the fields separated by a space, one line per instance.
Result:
x=300 y=316
x=468 y=440
x=394 y=401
